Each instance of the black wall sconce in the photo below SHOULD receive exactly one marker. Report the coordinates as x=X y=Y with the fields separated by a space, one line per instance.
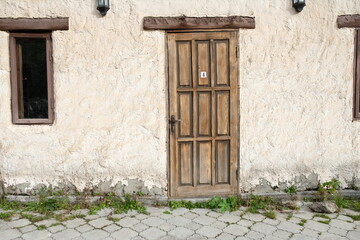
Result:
x=298 y=5
x=103 y=6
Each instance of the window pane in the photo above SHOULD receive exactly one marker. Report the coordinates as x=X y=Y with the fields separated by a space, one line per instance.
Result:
x=32 y=77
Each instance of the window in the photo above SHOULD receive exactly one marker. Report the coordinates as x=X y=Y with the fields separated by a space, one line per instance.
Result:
x=357 y=76
x=31 y=78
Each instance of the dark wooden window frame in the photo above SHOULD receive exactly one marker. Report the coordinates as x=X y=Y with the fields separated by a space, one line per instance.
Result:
x=32 y=28
x=15 y=97
x=353 y=21
x=357 y=76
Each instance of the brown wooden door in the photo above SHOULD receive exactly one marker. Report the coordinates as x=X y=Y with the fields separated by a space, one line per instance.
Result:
x=204 y=113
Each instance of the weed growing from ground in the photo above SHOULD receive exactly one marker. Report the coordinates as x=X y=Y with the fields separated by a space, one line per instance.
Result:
x=270 y=214
x=302 y=222
x=328 y=189
x=6 y=216
x=291 y=190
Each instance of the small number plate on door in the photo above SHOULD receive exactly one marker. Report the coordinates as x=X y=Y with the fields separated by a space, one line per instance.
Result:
x=203 y=74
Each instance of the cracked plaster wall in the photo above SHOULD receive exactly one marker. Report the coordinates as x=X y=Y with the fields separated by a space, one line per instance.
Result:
x=296 y=83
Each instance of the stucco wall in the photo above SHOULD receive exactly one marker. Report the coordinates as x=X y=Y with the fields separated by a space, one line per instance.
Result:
x=296 y=85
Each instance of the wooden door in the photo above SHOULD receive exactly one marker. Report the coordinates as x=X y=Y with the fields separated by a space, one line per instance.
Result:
x=203 y=113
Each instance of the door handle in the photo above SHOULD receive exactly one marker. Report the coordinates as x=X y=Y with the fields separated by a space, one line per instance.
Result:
x=172 y=122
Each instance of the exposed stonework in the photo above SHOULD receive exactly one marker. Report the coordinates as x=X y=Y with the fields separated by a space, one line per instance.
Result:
x=296 y=92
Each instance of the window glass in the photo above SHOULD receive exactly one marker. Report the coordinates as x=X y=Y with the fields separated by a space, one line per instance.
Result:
x=32 y=78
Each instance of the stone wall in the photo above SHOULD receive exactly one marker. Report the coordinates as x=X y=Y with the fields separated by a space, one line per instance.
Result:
x=110 y=131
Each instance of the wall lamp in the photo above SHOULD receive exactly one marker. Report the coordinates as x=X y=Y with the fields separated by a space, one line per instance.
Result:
x=298 y=5
x=103 y=6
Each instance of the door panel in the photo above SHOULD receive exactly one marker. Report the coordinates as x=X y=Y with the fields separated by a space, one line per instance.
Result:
x=203 y=105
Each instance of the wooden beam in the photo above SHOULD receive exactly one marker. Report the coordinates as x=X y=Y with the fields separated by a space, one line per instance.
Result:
x=184 y=23
x=348 y=21
x=12 y=24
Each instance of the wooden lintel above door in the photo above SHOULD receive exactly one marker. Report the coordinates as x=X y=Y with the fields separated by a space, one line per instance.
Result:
x=188 y=23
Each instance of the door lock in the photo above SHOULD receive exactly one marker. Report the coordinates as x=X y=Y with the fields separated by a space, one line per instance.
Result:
x=172 y=122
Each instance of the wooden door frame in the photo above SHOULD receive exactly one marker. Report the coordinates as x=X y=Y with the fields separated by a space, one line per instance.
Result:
x=237 y=113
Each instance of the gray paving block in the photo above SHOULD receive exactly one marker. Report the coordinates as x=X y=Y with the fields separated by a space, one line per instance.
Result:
x=100 y=222
x=19 y=223
x=10 y=234
x=128 y=222
x=27 y=228
x=208 y=231
x=204 y=220
x=124 y=234
x=55 y=229
x=95 y=234
x=37 y=234
x=254 y=235
x=152 y=233
x=342 y=224
x=236 y=230
x=153 y=221
x=179 y=221
x=84 y=228
x=74 y=223
x=229 y=218
x=263 y=228
x=181 y=232
x=353 y=235
x=66 y=234
x=225 y=236
x=290 y=227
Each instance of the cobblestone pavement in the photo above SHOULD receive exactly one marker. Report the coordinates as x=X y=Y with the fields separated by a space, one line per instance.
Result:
x=182 y=223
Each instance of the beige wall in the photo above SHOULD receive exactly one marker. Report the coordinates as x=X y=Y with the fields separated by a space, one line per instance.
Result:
x=296 y=85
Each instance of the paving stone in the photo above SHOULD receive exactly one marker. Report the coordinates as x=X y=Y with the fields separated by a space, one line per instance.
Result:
x=152 y=233
x=295 y=220
x=201 y=211
x=290 y=227
x=314 y=225
x=85 y=228
x=346 y=211
x=19 y=223
x=55 y=229
x=124 y=234
x=179 y=211
x=298 y=236
x=337 y=231
x=254 y=235
x=140 y=227
x=181 y=232
x=329 y=236
x=179 y=221
x=168 y=238
x=263 y=228
x=37 y=234
x=10 y=234
x=245 y=223
x=241 y=238
x=128 y=222
x=208 y=231
x=219 y=225
x=153 y=221
x=95 y=234
x=236 y=230
x=310 y=232
x=46 y=223
x=342 y=224
x=101 y=222
x=104 y=212
x=304 y=215
x=28 y=228
x=353 y=235
x=273 y=222
x=137 y=238
x=91 y=217
x=271 y=238
x=225 y=236
x=229 y=218
x=254 y=217
x=193 y=226
x=345 y=218
x=197 y=237
x=281 y=234
x=215 y=214
x=190 y=215
x=138 y=216
x=112 y=228
x=167 y=227
x=66 y=234
x=74 y=223
x=204 y=220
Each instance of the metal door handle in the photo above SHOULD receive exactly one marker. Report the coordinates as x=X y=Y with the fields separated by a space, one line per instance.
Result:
x=172 y=122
